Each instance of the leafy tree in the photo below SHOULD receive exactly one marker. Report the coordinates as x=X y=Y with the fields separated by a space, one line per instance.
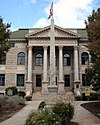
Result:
x=4 y=36
x=93 y=31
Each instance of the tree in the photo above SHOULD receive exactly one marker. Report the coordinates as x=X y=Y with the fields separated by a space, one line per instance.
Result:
x=4 y=36
x=93 y=31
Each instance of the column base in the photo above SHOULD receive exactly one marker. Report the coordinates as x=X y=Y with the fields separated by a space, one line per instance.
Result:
x=28 y=88
x=77 y=86
x=61 y=89
x=44 y=87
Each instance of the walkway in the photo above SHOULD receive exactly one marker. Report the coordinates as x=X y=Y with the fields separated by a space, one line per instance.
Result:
x=20 y=117
x=82 y=116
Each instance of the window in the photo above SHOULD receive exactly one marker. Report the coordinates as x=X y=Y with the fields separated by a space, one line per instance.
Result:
x=85 y=58
x=67 y=80
x=67 y=60
x=38 y=80
x=2 y=79
x=21 y=58
x=84 y=82
x=39 y=60
x=20 y=79
x=3 y=60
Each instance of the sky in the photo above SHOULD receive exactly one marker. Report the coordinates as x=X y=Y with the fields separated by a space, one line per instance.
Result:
x=34 y=13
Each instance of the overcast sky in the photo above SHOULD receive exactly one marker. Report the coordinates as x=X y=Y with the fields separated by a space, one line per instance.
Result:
x=34 y=13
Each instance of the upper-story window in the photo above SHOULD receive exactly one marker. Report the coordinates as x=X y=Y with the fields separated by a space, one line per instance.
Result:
x=21 y=58
x=66 y=60
x=39 y=60
x=84 y=58
x=3 y=60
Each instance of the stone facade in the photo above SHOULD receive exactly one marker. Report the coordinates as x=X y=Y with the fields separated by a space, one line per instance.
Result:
x=31 y=47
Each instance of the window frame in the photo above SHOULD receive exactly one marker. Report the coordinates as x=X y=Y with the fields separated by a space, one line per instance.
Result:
x=21 y=58
x=2 y=76
x=3 y=59
x=85 y=58
x=39 y=59
x=67 y=82
x=38 y=80
x=66 y=59
x=21 y=79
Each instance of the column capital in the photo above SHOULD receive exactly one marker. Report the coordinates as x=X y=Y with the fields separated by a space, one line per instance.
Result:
x=60 y=46
x=45 y=47
x=29 y=47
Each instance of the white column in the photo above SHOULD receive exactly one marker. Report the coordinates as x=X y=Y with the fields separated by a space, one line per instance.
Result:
x=45 y=64
x=29 y=64
x=60 y=64
x=45 y=81
x=61 y=81
x=76 y=68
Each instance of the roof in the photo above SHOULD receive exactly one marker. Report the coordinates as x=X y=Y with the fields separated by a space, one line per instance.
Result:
x=21 y=33
x=82 y=33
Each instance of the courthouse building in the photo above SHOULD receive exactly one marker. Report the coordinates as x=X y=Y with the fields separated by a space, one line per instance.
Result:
x=27 y=64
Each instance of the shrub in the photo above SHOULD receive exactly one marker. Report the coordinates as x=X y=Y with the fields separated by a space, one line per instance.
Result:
x=13 y=89
x=78 y=98
x=43 y=118
x=29 y=98
x=59 y=114
x=21 y=93
x=65 y=111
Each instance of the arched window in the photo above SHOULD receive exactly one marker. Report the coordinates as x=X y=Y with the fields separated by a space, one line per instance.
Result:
x=39 y=60
x=66 y=60
x=3 y=60
x=21 y=58
x=84 y=58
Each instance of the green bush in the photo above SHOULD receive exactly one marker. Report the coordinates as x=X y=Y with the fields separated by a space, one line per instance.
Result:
x=78 y=98
x=43 y=118
x=13 y=90
x=29 y=98
x=21 y=93
x=59 y=114
x=65 y=111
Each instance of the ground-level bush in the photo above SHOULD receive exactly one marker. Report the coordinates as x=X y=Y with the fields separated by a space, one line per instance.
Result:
x=21 y=93
x=29 y=98
x=59 y=114
x=11 y=91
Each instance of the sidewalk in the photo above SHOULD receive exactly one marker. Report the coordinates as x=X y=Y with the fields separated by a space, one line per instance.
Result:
x=82 y=116
x=20 y=117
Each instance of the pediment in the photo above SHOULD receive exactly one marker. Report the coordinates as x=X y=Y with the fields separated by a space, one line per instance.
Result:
x=59 y=33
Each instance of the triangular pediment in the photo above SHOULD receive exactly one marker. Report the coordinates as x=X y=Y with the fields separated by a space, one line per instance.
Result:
x=45 y=33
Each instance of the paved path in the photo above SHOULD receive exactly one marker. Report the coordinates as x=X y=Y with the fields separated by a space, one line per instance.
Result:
x=20 y=117
x=82 y=116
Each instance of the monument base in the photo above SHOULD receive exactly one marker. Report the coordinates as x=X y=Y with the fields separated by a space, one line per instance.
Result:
x=52 y=95
x=77 y=86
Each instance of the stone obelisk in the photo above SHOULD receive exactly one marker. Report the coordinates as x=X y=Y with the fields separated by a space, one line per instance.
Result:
x=52 y=87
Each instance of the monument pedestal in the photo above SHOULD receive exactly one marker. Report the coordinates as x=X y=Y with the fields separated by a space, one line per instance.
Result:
x=76 y=86
x=52 y=95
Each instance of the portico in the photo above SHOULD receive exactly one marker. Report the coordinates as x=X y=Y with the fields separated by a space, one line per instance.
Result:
x=66 y=42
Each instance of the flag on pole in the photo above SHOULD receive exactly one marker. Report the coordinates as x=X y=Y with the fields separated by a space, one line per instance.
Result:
x=51 y=11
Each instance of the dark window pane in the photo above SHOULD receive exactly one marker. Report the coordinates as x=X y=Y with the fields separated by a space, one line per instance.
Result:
x=2 y=79
x=67 y=80
x=38 y=80
x=20 y=79
x=21 y=59
x=3 y=60
x=39 y=60
x=85 y=58
x=67 y=60
x=84 y=82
